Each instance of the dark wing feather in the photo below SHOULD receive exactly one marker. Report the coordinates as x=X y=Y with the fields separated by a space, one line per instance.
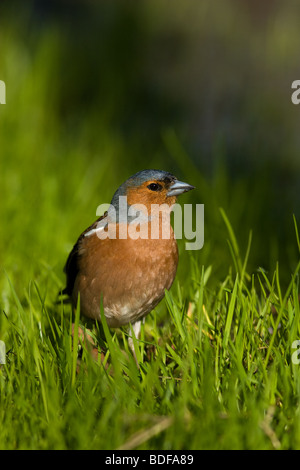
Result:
x=71 y=267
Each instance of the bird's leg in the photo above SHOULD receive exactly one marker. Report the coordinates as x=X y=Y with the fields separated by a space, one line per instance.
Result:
x=86 y=339
x=136 y=328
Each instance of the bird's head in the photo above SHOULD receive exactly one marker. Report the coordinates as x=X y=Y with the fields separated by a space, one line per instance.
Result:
x=151 y=187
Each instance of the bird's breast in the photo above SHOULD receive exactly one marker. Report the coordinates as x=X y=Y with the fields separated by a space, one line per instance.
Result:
x=131 y=274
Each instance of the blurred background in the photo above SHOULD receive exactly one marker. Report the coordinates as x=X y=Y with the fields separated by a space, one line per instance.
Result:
x=97 y=90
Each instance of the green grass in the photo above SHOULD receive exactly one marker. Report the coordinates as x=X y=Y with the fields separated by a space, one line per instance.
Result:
x=215 y=371
x=216 y=368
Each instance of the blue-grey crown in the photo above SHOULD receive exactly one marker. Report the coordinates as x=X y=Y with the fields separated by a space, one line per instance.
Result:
x=139 y=178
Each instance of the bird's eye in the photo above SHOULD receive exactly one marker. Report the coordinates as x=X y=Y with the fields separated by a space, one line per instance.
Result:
x=154 y=187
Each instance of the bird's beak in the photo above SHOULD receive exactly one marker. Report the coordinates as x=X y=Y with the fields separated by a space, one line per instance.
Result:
x=179 y=187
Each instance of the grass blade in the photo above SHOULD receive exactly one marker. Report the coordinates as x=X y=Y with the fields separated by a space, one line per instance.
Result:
x=297 y=233
x=75 y=343
x=232 y=242
x=230 y=313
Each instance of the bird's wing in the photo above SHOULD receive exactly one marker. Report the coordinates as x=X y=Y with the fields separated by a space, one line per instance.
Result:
x=71 y=267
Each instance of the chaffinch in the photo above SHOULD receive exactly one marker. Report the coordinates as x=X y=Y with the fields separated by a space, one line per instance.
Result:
x=125 y=255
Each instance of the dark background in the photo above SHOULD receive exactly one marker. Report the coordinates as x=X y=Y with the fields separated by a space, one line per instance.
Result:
x=99 y=90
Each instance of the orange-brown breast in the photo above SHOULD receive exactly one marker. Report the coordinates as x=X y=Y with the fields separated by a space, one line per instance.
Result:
x=131 y=275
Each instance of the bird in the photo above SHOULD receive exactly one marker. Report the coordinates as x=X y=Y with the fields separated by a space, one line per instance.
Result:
x=129 y=256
